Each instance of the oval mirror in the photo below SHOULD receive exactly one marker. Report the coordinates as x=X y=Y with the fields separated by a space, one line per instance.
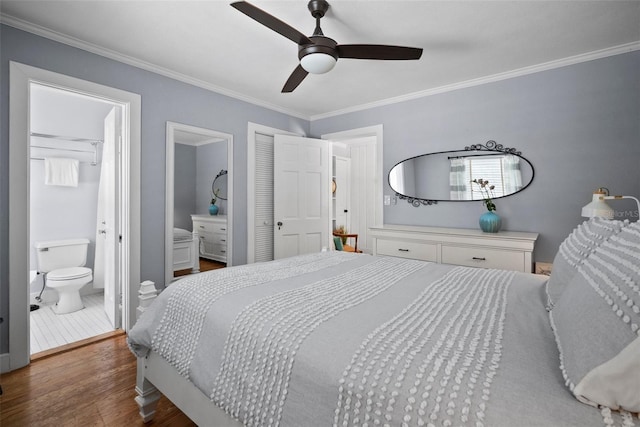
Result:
x=219 y=185
x=448 y=175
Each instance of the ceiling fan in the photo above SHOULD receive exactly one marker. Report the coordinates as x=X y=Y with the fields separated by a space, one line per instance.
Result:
x=317 y=53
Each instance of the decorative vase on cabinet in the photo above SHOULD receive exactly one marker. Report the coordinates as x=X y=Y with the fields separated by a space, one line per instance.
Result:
x=213 y=209
x=490 y=222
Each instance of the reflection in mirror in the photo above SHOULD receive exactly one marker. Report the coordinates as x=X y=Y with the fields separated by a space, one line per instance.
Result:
x=219 y=185
x=447 y=176
x=194 y=156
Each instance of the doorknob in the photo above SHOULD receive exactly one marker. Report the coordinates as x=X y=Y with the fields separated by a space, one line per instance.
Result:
x=279 y=224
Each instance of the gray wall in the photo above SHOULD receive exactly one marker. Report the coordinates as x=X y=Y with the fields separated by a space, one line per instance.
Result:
x=212 y=158
x=578 y=125
x=184 y=186
x=163 y=99
x=195 y=169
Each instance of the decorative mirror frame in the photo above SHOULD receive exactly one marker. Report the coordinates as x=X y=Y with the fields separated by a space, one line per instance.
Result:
x=490 y=145
x=213 y=184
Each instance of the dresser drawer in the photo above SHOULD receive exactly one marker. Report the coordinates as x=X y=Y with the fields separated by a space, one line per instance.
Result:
x=219 y=239
x=210 y=227
x=413 y=250
x=483 y=257
x=219 y=250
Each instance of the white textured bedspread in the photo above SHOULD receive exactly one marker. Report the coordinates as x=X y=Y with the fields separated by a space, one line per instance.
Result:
x=338 y=338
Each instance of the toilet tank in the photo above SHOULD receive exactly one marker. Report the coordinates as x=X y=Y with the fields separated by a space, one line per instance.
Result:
x=56 y=254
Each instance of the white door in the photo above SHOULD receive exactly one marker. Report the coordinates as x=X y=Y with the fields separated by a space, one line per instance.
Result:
x=301 y=190
x=108 y=217
x=342 y=195
x=262 y=200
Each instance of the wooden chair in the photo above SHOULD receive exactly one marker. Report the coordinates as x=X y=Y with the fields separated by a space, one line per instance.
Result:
x=338 y=238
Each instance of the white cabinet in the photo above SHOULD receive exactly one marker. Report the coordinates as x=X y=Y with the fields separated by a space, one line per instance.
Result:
x=212 y=231
x=507 y=250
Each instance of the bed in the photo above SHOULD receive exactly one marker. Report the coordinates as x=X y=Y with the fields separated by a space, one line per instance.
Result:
x=344 y=339
x=186 y=253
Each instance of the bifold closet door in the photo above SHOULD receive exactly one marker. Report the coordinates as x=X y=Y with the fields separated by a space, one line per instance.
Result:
x=263 y=212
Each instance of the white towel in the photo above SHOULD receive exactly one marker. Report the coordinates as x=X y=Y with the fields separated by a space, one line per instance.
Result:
x=59 y=171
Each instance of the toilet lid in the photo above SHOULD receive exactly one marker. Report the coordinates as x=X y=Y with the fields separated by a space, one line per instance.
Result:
x=68 y=273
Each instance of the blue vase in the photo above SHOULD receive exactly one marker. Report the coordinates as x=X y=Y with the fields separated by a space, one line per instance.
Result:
x=213 y=209
x=490 y=222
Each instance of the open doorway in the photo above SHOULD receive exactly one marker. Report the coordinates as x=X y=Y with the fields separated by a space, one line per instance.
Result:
x=126 y=233
x=73 y=204
x=362 y=150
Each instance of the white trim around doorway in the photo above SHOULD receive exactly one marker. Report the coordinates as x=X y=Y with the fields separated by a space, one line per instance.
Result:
x=21 y=76
x=375 y=131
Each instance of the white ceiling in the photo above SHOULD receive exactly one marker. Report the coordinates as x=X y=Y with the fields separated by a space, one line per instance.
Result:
x=211 y=44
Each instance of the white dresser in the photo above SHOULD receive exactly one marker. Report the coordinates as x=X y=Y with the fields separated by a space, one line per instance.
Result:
x=507 y=250
x=212 y=231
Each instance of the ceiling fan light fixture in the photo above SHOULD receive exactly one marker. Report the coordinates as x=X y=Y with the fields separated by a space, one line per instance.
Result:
x=318 y=62
x=318 y=53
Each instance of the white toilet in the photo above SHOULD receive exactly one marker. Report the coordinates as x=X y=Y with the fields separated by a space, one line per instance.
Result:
x=63 y=262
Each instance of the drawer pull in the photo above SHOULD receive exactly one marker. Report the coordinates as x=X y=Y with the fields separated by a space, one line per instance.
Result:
x=479 y=258
x=403 y=250
x=201 y=226
x=223 y=229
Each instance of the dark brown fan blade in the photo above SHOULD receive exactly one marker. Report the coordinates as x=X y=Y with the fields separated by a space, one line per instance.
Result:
x=378 y=51
x=271 y=22
x=295 y=79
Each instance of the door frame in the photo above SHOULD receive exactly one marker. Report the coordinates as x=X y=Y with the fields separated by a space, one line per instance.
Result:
x=21 y=76
x=170 y=190
x=342 y=136
x=355 y=136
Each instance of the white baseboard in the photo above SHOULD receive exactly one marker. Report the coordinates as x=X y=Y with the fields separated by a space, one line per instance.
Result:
x=4 y=363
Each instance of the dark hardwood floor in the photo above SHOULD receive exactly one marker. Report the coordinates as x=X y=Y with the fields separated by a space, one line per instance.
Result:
x=205 y=265
x=91 y=385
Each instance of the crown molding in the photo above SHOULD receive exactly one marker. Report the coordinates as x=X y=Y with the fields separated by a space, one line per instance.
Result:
x=590 y=56
x=80 y=44
x=107 y=53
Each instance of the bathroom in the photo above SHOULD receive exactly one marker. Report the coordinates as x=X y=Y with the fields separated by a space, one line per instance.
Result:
x=64 y=205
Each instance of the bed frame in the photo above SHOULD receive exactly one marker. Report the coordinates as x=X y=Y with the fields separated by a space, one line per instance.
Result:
x=186 y=254
x=156 y=377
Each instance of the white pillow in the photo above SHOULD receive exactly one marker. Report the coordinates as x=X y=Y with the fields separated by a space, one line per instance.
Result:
x=615 y=383
x=596 y=322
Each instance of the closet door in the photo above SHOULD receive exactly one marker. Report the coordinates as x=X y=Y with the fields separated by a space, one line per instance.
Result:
x=263 y=200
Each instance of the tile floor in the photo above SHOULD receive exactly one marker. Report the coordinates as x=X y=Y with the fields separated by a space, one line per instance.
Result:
x=50 y=330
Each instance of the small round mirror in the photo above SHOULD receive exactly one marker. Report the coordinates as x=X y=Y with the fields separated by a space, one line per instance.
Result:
x=219 y=185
